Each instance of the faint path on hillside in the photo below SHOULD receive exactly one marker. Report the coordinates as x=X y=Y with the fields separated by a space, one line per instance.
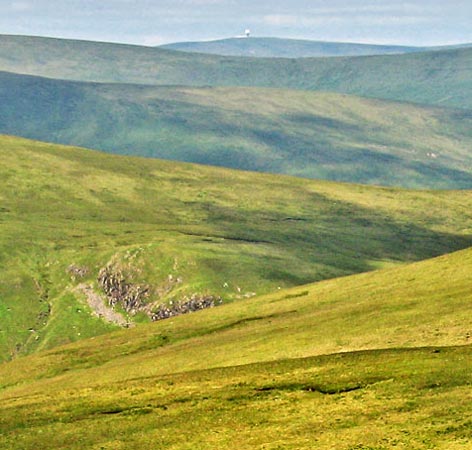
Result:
x=100 y=308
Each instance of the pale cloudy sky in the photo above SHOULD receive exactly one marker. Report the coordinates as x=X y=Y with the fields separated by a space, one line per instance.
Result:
x=152 y=22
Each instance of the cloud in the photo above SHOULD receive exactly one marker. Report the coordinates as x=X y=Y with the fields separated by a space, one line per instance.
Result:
x=380 y=9
x=20 y=6
x=285 y=20
x=158 y=21
x=207 y=2
x=278 y=20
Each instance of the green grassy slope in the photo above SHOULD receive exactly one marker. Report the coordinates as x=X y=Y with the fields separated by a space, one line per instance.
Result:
x=185 y=383
x=182 y=229
x=441 y=77
x=315 y=135
x=267 y=47
x=418 y=305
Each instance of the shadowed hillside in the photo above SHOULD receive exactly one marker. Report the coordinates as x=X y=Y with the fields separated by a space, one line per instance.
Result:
x=314 y=135
x=440 y=77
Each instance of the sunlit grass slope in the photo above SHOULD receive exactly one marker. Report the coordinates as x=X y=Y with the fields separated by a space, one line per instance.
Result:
x=315 y=135
x=185 y=229
x=254 y=372
x=439 y=77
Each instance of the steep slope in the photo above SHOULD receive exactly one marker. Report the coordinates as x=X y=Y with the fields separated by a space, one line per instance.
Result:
x=267 y=47
x=314 y=135
x=440 y=78
x=156 y=231
x=156 y=379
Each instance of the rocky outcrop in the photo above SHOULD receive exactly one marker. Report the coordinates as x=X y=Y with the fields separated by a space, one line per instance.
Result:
x=131 y=297
x=134 y=298
x=188 y=305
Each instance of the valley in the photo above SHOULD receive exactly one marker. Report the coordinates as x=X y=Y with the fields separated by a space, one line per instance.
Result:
x=271 y=248
x=223 y=233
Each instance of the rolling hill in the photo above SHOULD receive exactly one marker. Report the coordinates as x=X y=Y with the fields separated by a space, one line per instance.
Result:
x=309 y=134
x=436 y=78
x=268 y=47
x=299 y=313
x=376 y=360
x=161 y=231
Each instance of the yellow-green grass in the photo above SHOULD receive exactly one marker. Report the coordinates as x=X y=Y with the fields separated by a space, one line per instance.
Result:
x=310 y=134
x=439 y=77
x=222 y=232
x=258 y=372
x=416 y=399
x=427 y=303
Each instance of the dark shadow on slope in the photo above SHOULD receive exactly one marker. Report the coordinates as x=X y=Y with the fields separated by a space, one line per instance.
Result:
x=335 y=238
x=144 y=121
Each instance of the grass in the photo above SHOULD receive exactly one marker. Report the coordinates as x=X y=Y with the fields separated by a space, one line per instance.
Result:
x=222 y=232
x=249 y=372
x=421 y=305
x=435 y=78
x=315 y=135
x=358 y=401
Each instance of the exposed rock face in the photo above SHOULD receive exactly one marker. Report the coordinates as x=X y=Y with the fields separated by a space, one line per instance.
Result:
x=134 y=298
x=131 y=297
x=188 y=305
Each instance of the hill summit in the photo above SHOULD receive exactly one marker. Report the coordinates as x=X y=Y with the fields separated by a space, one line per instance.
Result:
x=271 y=47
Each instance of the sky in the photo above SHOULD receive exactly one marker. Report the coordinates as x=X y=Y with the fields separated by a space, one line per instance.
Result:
x=154 y=22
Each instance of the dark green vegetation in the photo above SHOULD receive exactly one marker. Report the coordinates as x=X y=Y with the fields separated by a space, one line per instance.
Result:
x=252 y=372
x=184 y=230
x=438 y=78
x=314 y=135
x=267 y=47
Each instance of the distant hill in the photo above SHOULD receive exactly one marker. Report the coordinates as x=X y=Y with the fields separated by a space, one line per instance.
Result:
x=267 y=47
x=449 y=47
x=439 y=78
x=314 y=135
x=172 y=230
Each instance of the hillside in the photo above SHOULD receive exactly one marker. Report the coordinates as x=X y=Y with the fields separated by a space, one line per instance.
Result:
x=451 y=46
x=249 y=243
x=376 y=360
x=309 y=134
x=169 y=231
x=436 y=78
x=267 y=47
